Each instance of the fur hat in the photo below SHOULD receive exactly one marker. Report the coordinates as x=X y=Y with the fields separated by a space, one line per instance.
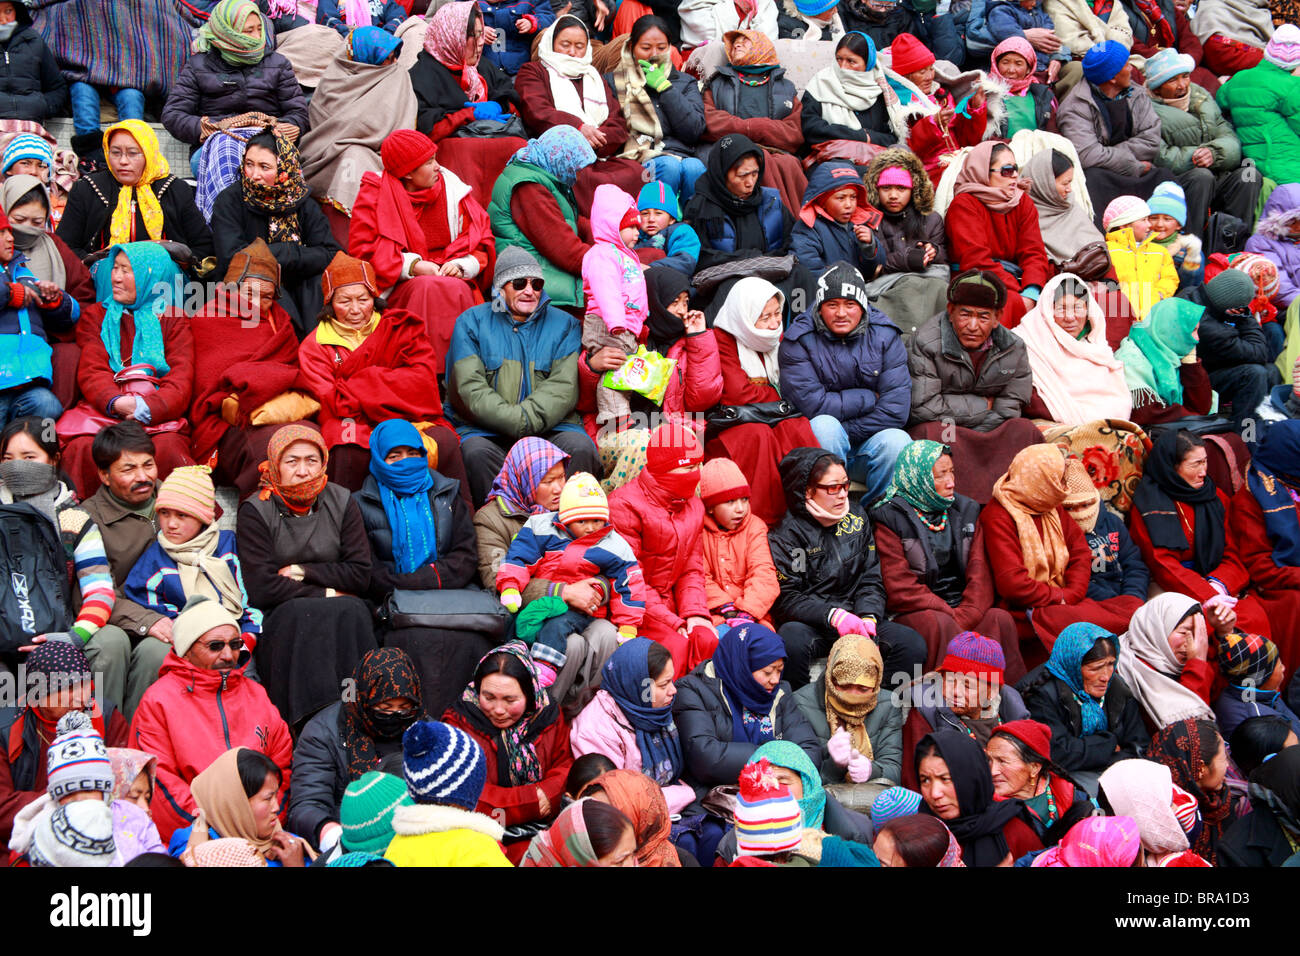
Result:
x=254 y=261
x=345 y=270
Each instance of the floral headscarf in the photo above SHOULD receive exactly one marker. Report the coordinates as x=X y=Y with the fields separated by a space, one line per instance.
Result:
x=280 y=200
x=127 y=765
x=444 y=40
x=155 y=168
x=755 y=66
x=525 y=466
x=517 y=761
x=380 y=675
x=1178 y=747
x=561 y=151
x=224 y=32
x=853 y=660
x=914 y=480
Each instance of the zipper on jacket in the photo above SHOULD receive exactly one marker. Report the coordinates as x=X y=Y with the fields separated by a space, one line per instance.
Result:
x=225 y=727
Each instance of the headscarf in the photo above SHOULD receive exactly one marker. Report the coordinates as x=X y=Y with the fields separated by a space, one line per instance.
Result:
x=517 y=761
x=914 y=480
x=127 y=765
x=1034 y=486
x=141 y=194
x=626 y=678
x=755 y=67
x=1015 y=44
x=1154 y=349
x=404 y=490
x=1178 y=746
x=1066 y=663
x=843 y=94
x=1148 y=665
x=853 y=660
x=788 y=754
x=1276 y=784
x=952 y=855
x=561 y=151
x=1144 y=789
x=1272 y=479
x=974 y=179
x=639 y=799
x=526 y=464
x=1160 y=487
x=224 y=805
x=1095 y=841
x=297 y=498
x=445 y=40
x=662 y=287
x=741 y=651
x=38 y=245
x=564 y=843
x=757 y=348
x=156 y=281
x=224 y=32
x=371 y=45
x=280 y=200
x=1065 y=225
x=382 y=674
x=718 y=202
x=562 y=70
x=979 y=828
x=1084 y=499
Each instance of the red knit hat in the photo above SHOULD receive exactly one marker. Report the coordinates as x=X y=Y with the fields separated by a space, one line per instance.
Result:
x=405 y=151
x=1034 y=735
x=631 y=219
x=672 y=446
x=909 y=54
x=721 y=480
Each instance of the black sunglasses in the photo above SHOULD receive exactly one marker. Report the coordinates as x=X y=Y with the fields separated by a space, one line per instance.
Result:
x=216 y=647
x=1010 y=169
x=529 y=281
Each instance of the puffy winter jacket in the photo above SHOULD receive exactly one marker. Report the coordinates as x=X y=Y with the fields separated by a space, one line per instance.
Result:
x=1082 y=121
x=513 y=49
x=31 y=86
x=1183 y=132
x=1272 y=240
x=1145 y=270
x=155 y=583
x=1263 y=103
x=681 y=112
x=1228 y=341
x=1007 y=18
x=945 y=387
x=938 y=33
x=42 y=321
x=884 y=727
x=703 y=715
x=431 y=834
x=819 y=241
x=209 y=86
x=320 y=774
x=1117 y=565
x=738 y=568
x=718 y=236
x=191 y=716
x=613 y=284
x=767 y=114
x=1051 y=701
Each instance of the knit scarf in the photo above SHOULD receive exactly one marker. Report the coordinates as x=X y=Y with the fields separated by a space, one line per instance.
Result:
x=975 y=178
x=1147 y=663
x=1034 y=486
x=445 y=40
x=202 y=572
x=298 y=498
x=404 y=490
x=280 y=199
x=647 y=134
x=626 y=678
x=825 y=516
x=224 y=32
x=757 y=348
x=914 y=481
x=715 y=201
x=1272 y=481
x=139 y=197
x=517 y=761
x=562 y=70
x=156 y=280
x=1156 y=500
x=381 y=675
x=853 y=661
x=33 y=483
x=1154 y=349
x=37 y=245
x=843 y=94
x=1066 y=664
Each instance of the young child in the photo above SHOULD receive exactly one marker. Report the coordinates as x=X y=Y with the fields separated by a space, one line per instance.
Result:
x=1168 y=205
x=133 y=782
x=1277 y=238
x=836 y=223
x=1029 y=103
x=565 y=547
x=1117 y=566
x=509 y=27
x=661 y=232
x=937 y=123
x=1009 y=19
x=1144 y=268
x=739 y=575
x=584 y=770
x=613 y=285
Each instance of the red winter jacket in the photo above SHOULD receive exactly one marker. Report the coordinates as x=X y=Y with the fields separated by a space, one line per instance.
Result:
x=188 y=718
x=95 y=375
x=978 y=237
x=1016 y=590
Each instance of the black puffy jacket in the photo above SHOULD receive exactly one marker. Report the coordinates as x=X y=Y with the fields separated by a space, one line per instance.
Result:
x=31 y=86
x=209 y=86
x=320 y=774
x=1051 y=701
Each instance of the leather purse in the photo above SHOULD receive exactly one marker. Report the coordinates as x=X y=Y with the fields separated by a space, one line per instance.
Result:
x=760 y=413
x=455 y=609
x=1091 y=263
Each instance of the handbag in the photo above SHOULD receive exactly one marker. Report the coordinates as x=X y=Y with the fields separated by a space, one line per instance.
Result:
x=760 y=413
x=455 y=609
x=489 y=128
x=1091 y=263
x=82 y=419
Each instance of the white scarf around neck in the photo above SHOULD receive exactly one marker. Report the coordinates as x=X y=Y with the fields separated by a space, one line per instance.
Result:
x=756 y=347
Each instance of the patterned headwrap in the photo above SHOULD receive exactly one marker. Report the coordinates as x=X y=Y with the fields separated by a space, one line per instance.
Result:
x=1267 y=281
x=297 y=498
x=1034 y=486
x=561 y=151
x=565 y=842
x=1247 y=660
x=381 y=675
x=127 y=765
x=224 y=32
x=517 y=760
x=756 y=65
x=1178 y=747
x=853 y=660
x=156 y=280
x=639 y=799
x=444 y=40
x=280 y=199
x=914 y=479
x=155 y=168
x=1066 y=663
x=372 y=45
x=525 y=466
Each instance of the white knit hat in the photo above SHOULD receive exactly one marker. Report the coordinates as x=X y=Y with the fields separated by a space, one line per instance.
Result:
x=78 y=760
x=78 y=834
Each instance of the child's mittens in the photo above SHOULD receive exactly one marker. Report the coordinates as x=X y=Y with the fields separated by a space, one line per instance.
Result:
x=859 y=768
x=511 y=600
x=846 y=623
x=840 y=747
x=546 y=674
x=626 y=633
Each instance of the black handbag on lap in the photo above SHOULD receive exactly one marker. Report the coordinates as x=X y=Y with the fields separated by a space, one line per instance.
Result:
x=457 y=609
x=759 y=413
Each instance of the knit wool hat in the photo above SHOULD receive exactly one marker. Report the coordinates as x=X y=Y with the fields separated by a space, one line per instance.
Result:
x=811 y=8
x=659 y=195
x=78 y=760
x=722 y=480
x=27 y=146
x=631 y=219
x=582 y=499
x=366 y=811
x=1230 y=289
x=971 y=653
x=189 y=490
x=1165 y=65
x=1103 y=62
x=909 y=55
x=405 y=151
x=895 y=176
x=199 y=615
x=254 y=261
x=894 y=803
x=1168 y=199
x=1283 y=51
x=672 y=446
x=442 y=764
x=768 y=818
x=1262 y=270
x=78 y=834
x=515 y=262
x=1247 y=659
x=345 y=270
x=978 y=289
x=1123 y=211
x=1034 y=735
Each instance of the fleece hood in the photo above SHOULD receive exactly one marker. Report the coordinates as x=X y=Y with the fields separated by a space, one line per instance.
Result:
x=608 y=207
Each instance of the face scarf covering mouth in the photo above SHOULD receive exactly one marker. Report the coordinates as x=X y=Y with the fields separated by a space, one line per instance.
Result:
x=404 y=489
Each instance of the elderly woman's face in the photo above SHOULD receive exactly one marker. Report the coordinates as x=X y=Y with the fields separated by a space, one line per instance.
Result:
x=122 y=279
x=742 y=178
x=741 y=46
x=1012 y=777
x=769 y=320
x=125 y=158
x=571 y=41
x=1192 y=469
x=680 y=306
x=253 y=26
x=353 y=305
x=547 y=494
x=1175 y=88
x=258 y=295
x=922 y=79
x=966 y=694
x=1096 y=676
x=301 y=461
x=937 y=789
x=945 y=478
x=260 y=165
x=1070 y=313
x=1013 y=66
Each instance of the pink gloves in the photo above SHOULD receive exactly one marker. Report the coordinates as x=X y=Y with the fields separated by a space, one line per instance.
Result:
x=846 y=623
x=840 y=747
x=859 y=768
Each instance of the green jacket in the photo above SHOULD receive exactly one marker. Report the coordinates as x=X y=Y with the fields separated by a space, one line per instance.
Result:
x=564 y=288
x=1263 y=103
x=1183 y=132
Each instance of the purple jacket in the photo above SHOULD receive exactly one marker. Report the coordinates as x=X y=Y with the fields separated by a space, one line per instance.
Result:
x=1282 y=209
x=133 y=833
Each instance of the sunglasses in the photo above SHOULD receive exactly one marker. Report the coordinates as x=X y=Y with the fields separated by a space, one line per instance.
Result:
x=834 y=489
x=1010 y=169
x=528 y=282
x=216 y=647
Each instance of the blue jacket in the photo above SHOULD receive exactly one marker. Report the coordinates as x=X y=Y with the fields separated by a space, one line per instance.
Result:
x=181 y=839
x=1231 y=710
x=818 y=241
x=155 y=583
x=718 y=236
x=512 y=48
x=18 y=366
x=1117 y=565
x=861 y=379
x=389 y=15
x=979 y=41
x=681 y=246
x=1007 y=18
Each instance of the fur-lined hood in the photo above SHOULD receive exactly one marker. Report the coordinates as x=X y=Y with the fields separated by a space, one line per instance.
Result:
x=418 y=819
x=922 y=188
x=1281 y=210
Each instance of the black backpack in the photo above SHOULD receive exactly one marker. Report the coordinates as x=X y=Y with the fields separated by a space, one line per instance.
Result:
x=34 y=589
x=1225 y=233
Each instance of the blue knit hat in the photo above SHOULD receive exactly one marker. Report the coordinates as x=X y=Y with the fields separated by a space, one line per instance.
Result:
x=1165 y=65
x=657 y=195
x=811 y=8
x=1169 y=200
x=894 y=803
x=366 y=811
x=442 y=764
x=1103 y=62
x=27 y=146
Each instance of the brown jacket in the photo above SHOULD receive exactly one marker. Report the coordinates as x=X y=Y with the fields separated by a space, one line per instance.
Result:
x=496 y=529
x=946 y=388
x=126 y=535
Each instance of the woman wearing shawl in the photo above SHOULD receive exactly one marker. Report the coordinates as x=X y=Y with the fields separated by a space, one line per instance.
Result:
x=134 y=832
x=421 y=537
x=1096 y=841
x=1165 y=377
x=232 y=73
x=1145 y=790
x=1165 y=659
x=586 y=833
x=936 y=574
x=426 y=236
x=1065 y=226
x=748 y=334
x=1077 y=378
x=306 y=565
x=1197 y=760
x=137 y=361
x=1270 y=834
x=639 y=799
x=731 y=704
x=735 y=216
x=1181 y=522
x=27 y=205
x=992 y=226
x=1019 y=754
x=957 y=787
x=1029 y=104
x=271 y=202
x=366 y=362
x=134 y=198
x=350 y=738
x=363 y=97
x=846 y=101
x=523 y=736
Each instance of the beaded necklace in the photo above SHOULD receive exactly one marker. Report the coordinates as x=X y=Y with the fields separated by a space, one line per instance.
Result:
x=936 y=528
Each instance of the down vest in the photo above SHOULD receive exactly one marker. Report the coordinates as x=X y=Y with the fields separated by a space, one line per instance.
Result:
x=209 y=86
x=1263 y=103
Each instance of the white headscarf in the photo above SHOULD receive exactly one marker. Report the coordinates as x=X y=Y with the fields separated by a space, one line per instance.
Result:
x=757 y=347
x=843 y=93
x=1148 y=665
x=563 y=69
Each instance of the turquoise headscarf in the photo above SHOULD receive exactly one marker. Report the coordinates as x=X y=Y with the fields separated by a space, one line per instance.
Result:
x=784 y=753
x=156 y=288
x=1066 y=662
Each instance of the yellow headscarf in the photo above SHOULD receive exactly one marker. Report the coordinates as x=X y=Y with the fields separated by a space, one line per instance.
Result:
x=155 y=168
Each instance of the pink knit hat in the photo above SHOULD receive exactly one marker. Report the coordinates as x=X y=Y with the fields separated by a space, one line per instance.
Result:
x=189 y=490
x=1283 y=51
x=1122 y=211
x=895 y=176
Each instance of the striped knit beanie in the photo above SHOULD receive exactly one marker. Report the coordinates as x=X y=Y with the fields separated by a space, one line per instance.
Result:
x=768 y=819
x=583 y=499
x=657 y=195
x=27 y=146
x=77 y=761
x=366 y=812
x=1123 y=211
x=1263 y=271
x=1283 y=50
x=894 y=803
x=971 y=653
x=189 y=490
x=442 y=764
